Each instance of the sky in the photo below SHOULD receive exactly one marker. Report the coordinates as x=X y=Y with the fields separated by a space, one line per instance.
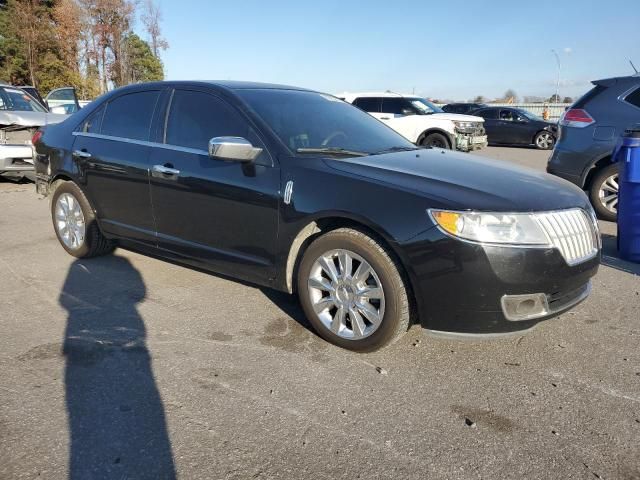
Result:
x=446 y=49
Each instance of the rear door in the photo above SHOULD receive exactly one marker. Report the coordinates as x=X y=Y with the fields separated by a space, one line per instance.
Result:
x=111 y=150
x=219 y=213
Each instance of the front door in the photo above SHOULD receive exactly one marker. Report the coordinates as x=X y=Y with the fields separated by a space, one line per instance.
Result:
x=222 y=214
x=112 y=153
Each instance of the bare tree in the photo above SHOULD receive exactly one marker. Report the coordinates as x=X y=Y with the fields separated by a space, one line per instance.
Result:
x=151 y=18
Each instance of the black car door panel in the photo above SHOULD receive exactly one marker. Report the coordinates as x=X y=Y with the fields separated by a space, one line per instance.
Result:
x=222 y=213
x=112 y=151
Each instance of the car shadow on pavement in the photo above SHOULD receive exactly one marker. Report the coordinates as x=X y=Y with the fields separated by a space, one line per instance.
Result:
x=116 y=417
x=611 y=257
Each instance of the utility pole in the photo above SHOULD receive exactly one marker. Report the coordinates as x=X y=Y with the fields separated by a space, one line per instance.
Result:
x=558 y=81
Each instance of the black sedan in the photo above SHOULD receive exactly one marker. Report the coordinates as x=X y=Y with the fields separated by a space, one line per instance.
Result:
x=301 y=192
x=514 y=126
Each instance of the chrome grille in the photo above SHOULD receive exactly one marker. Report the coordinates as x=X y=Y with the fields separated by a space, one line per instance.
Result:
x=572 y=232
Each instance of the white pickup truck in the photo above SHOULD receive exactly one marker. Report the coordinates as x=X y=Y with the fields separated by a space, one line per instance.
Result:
x=420 y=121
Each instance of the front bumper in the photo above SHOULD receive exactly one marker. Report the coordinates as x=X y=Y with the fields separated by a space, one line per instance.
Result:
x=459 y=286
x=467 y=142
x=16 y=158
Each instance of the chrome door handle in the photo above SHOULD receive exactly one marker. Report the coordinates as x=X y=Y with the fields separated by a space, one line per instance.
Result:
x=160 y=171
x=81 y=154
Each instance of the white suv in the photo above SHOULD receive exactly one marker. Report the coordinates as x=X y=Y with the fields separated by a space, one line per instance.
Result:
x=421 y=122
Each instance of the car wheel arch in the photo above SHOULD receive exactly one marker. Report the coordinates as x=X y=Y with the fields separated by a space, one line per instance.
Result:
x=429 y=131
x=322 y=225
x=591 y=171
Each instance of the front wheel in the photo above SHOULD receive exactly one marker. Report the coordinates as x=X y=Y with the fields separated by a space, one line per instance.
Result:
x=544 y=140
x=436 y=140
x=604 y=193
x=352 y=291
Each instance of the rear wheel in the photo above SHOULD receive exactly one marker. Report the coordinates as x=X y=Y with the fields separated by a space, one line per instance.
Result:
x=75 y=223
x=544 y=140
x=604 y=193
x=352 y=291
x=435 y=140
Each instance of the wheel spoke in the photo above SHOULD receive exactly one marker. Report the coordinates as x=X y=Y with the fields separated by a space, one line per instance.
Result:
x=370 y=312
x=323 y=304
x=329 y=268
x=321 y=284
x=362 y=273
x=370 y=292
x=357 y=322
x=346 y=264
x=338 y=320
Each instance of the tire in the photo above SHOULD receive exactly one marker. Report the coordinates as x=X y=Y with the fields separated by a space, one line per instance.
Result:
x=390 y=298
x=85 y=242
x=436 y=140
x=544 y=140
x=603 y=192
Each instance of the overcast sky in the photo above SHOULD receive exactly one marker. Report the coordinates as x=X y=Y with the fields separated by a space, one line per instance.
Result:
x=439 y=49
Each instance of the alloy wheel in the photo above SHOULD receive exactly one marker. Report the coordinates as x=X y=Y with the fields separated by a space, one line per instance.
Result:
x=544 y=141
x=346 y=294
x=69 y=221
x=608 y=193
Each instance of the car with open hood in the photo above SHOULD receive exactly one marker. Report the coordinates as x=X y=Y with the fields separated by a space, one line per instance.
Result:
x=302 y=192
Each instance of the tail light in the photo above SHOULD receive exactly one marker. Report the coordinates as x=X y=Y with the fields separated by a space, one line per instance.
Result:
x=576 y=117
x=36 y=137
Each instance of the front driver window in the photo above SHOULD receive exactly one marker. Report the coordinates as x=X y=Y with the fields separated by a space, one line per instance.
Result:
x=506 y=115
x=196 y=117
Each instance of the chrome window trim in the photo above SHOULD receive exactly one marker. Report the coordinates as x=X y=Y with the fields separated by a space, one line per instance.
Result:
x=623 y=96
x=145 y=143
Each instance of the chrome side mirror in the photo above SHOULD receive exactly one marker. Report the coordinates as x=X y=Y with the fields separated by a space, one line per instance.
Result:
x=233 y=148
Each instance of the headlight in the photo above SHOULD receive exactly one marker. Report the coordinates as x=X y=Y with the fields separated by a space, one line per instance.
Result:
x=484 y=227
x=465 y=125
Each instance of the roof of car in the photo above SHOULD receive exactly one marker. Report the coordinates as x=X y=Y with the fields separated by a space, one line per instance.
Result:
x=226 y=84
x=350 y=96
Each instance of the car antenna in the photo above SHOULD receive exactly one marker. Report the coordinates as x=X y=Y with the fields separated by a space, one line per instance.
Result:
x=633 y=66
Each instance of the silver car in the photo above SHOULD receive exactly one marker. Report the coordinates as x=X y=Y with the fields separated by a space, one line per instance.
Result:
x=20 y=116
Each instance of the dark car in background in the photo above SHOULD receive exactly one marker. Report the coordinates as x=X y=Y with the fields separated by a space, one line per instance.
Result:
x=463 y=108
x=589 y=131
x=515 y=126
x=299 y=191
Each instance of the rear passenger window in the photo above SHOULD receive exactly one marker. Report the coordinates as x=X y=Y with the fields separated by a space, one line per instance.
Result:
x=486 y=113
x=92 y=122
x=634 y=98
x=129 y=116
x=368 y=104
x=394 y=105
x=197 y=117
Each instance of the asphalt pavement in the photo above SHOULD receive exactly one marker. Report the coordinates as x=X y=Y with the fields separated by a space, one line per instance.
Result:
x=129 y=367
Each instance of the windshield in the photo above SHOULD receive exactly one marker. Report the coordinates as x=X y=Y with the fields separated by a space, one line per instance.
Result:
x=309 y=120
x=425 y=107
x=16 y=100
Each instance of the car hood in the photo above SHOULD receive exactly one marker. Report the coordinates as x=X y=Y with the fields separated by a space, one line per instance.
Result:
x=463 y=181
x=30 y=119
x=456 y=117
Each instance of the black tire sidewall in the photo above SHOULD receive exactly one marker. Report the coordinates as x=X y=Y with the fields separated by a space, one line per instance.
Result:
x=72 y=189
x=594 y=192
x=386 y=272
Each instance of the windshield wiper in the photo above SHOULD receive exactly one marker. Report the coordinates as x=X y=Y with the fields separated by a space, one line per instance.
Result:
x=332 y=151
x=397 y=149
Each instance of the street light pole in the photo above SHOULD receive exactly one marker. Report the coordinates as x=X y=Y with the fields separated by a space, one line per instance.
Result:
x=558 y=81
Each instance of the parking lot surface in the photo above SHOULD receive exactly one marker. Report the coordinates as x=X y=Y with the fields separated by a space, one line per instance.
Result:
x=130 y=367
